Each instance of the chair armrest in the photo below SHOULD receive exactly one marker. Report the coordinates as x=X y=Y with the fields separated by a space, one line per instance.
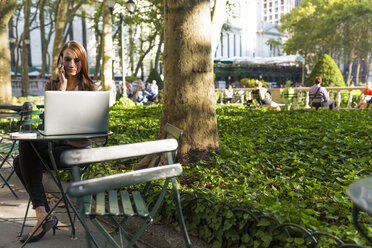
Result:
x=100 y=154
x=102 y=184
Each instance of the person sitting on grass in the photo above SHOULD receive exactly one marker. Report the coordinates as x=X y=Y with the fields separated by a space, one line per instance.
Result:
x=152 y=94
x=264 y=96
x=366 y=97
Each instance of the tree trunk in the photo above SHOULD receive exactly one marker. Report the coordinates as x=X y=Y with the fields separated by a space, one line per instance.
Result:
x=44 y=44
x=131 y=47
x=349 y=76
x=24 y=60
x=189 y=97
x=368 y=68
x=7 y=8
x=59 y=36
x=158 y=52
x=98 y=36
x=106 y=71
x=357 y=73
x=144 y=53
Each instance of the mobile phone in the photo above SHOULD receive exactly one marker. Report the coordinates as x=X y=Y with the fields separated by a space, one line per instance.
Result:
x=62 y=65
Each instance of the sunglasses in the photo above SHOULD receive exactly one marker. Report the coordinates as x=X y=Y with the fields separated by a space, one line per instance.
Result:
x=68 y=59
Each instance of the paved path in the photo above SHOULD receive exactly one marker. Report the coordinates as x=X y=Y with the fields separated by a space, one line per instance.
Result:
x=12 y=211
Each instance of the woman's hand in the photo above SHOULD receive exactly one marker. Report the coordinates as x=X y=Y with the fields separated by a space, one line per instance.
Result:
x=61 y=76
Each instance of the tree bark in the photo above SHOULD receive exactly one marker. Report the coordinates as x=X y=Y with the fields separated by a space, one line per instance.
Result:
x=189 y=97
x=59 y=35
x=7 y=8
x=145 y=52
x=368 y=68
x=357 y=73
x=349 y=76
x=107 y=49
x=158 y=52
x=24 y=52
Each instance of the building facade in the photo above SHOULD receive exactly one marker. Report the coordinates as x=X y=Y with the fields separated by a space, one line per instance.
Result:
x=252 y=25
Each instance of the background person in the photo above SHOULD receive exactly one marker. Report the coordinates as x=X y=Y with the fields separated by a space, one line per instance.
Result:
x=366 y=97
x=264 y=95
x=73 y=75
x=324 y=100
x=229 y=93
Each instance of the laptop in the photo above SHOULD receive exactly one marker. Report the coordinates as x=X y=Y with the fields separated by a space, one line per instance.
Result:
x=76 y=112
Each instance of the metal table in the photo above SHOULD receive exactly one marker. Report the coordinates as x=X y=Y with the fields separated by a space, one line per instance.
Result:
x=360 y=193
x=55 y=175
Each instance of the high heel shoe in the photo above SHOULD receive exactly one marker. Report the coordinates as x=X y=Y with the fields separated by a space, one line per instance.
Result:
x=48 y=224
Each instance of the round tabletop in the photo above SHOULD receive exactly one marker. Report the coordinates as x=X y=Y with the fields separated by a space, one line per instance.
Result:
x=38 y=136
x=360 y=193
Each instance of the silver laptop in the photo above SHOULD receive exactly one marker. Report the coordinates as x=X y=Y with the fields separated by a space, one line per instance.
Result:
x=75 y=112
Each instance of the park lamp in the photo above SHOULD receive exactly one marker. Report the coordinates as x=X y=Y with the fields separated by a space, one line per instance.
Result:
x=130 y=4
x=111 y=4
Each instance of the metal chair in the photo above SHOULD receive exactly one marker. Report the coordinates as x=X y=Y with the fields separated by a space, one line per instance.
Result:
x=9 y=149
x=103 y=197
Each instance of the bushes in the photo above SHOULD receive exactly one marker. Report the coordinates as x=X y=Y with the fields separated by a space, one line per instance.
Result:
x=249 y=83
x=328 y=70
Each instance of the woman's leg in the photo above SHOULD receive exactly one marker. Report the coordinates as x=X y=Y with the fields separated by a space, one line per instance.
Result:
x=30 y=171
x=274 y=105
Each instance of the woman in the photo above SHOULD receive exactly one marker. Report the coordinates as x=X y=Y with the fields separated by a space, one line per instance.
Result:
x=264 y=96
x=229 y=93
x=72 y=76
x=366 y=97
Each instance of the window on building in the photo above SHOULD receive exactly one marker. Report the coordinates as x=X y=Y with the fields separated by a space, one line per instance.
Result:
x=282 y=8
x=270 y=4
x=265 y=11
x=265 y=19
x=270 y=11
x=276 y=3
x=271 y=17
x=276 y=16
x=276 y=22
x=282 y=2
x=276 y=9
x=265 y=5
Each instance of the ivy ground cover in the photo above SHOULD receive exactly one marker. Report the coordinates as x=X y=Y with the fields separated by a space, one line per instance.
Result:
x=293 y=165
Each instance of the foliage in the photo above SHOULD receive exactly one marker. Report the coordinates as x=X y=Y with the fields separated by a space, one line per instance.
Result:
x=327 y=69
x=338 y=27
x=249 y=82
x=123 y=102
x=130 y=78
x=293 y=165
x=154 y=75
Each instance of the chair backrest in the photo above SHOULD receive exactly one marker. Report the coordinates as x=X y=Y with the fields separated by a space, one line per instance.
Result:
x=256 y=97
x=172 y=132
x=27 y=120
x=101 y=154
x=102 y=184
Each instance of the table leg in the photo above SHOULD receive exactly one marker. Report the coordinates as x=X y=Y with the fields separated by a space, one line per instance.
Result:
x=356 y=211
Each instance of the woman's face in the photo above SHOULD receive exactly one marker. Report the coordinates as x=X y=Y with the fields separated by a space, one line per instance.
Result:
x=71 y=62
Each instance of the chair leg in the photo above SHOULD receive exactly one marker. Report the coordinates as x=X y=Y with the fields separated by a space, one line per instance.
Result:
x=177 y=201
x=24 y=219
